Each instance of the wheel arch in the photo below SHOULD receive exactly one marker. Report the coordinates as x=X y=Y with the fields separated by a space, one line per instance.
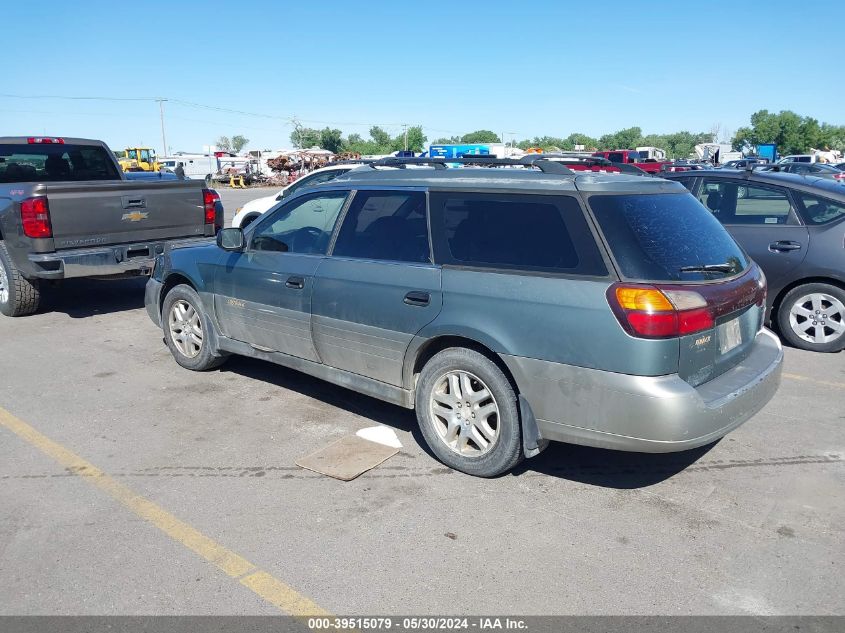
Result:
x=173 y=280
x=418 y=357
x=249 y=218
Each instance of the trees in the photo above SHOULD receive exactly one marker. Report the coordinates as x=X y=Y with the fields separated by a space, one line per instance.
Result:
x=416 y=139
x=331 y=139
x=239 y=142
x=224 y=144
x=480 y=136
x=305 y=137
x=792 y=133
x=379 y=136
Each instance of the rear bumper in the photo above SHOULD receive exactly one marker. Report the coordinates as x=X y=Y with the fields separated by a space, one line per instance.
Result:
x=646 y=414
x=106 y=261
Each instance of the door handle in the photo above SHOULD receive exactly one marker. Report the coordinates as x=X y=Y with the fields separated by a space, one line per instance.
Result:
x=297 y=283
x=783 y=246
x=417 y=298
x=133 y=202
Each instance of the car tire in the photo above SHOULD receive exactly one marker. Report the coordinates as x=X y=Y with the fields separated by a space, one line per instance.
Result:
x=483 y=439
x=186 y=330
x=812 y=317
x=19 y=296
x=249 y=220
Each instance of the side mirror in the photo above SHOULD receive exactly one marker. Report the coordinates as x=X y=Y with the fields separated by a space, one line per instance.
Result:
x=231 y=239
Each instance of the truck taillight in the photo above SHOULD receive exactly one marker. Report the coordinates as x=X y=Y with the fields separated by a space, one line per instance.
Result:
x=209 y=201
x=45 y=140
x=35 y=217
x=649 y=312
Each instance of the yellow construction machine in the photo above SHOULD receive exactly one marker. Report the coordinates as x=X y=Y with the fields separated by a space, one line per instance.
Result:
x=138 y=159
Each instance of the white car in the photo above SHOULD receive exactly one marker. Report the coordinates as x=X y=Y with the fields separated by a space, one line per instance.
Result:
x=252 y=210
x=798 y=158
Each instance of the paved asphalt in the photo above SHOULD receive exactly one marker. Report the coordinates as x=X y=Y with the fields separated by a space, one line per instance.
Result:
x=752 y=525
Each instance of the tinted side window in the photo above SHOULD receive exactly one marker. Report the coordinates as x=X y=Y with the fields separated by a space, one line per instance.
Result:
x=385 y=225
x=820 y=210
x=524 y=232
x=303 y=225
x=735 y=203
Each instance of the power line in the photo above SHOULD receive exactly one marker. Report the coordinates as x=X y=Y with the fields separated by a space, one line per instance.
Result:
x=193 y=104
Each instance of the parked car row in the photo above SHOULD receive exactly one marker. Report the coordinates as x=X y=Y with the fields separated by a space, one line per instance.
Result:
x=568 y=300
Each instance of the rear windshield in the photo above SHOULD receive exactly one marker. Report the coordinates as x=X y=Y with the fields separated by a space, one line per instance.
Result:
x=667 y=237
x=55 y=163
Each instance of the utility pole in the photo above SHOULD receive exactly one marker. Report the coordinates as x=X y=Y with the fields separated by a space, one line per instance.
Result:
x=161 y=115
x=298 y=129
x=513 y=140
x=405 y=128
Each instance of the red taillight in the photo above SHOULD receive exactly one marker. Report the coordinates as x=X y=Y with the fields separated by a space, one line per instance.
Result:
x=45 y=140
x=209 y=201
x=672 y=310
x=35 y=218
x=651 y=312
x=839 y=176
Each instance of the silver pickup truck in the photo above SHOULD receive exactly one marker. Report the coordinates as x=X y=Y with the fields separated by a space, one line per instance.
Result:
x=67 y=210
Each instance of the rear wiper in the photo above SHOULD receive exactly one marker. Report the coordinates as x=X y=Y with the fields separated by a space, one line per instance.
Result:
x=709 y=268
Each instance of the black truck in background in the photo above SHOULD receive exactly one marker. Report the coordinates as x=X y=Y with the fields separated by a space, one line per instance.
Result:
x=67 y=210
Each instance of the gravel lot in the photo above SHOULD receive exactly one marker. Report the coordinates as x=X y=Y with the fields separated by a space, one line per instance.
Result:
x=752 y=525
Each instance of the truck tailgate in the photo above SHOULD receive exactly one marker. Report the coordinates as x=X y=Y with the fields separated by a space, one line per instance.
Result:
x=112 y=212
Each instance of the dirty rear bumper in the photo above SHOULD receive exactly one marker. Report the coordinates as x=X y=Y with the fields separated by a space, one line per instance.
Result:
x=646 y=414
x=106 y=261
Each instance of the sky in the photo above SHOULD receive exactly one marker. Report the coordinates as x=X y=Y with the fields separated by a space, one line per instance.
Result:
x=521 y=69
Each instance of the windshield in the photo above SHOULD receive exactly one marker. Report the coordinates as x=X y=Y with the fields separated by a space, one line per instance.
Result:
x=666 y=237
x=55 y=163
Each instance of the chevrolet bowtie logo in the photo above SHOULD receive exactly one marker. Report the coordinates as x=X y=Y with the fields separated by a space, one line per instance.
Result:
x=135 y=216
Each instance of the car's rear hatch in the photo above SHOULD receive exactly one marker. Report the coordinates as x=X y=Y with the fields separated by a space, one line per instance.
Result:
x=118 y=212
x=682 y=277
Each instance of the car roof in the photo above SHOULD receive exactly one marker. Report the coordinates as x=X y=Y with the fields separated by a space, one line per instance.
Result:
x=24 y=140
x=528 y=180
x=782 y=178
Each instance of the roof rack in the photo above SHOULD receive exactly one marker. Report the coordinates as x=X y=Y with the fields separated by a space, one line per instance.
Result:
x=352 y=161
x=533 y=160
x=564 y=158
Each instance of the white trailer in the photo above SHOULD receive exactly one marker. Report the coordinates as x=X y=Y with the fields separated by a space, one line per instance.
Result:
x=196 y=166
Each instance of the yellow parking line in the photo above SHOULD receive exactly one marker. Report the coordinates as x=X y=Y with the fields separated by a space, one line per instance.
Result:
x=271 y=589
x=837 y=385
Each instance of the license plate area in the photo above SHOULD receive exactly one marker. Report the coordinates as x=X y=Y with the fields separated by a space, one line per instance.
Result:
x=729 y=335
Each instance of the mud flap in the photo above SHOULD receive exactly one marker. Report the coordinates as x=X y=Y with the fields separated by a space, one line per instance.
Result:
x=532 y=443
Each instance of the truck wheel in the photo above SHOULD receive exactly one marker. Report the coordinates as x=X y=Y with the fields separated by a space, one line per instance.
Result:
x=468 y=414
x=185 y=332
x=18 y=296
x=812 y=317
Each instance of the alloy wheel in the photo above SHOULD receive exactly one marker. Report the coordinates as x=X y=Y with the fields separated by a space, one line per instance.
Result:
x=817 y=318
x=464 y=413
x=185 y=328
